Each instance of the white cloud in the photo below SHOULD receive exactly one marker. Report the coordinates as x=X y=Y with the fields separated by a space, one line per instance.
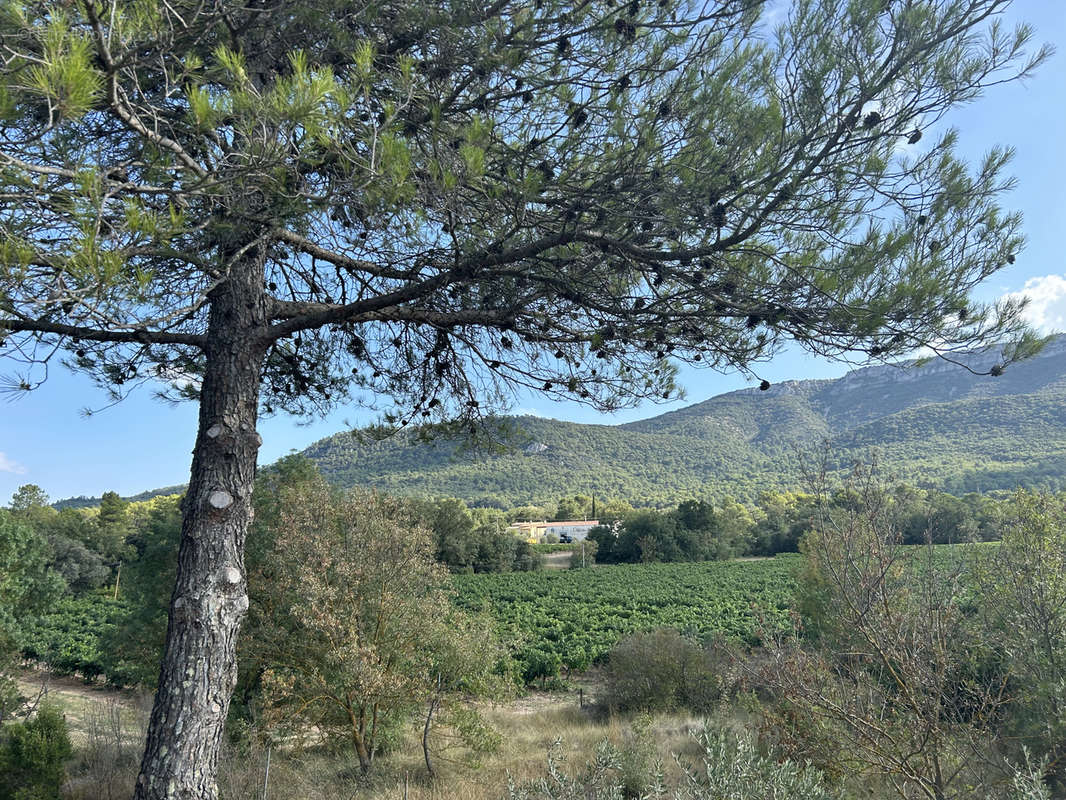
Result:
x=7 y=465
x=1047 y=302
x=529 y=412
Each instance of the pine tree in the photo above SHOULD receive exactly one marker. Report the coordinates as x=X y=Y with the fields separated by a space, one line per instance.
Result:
x=422 y=206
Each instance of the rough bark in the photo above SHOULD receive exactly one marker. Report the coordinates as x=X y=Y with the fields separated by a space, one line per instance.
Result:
x=199 y=669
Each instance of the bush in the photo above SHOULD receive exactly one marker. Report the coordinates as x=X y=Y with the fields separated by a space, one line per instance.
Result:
x=537 y=663
x=660 y=670
x=732 y=766
x=1022 y=586
x=639 y=765
x=32 y=756
x=728 y=767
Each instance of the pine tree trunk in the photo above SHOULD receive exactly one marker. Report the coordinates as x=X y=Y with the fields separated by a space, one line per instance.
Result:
x=199 y=669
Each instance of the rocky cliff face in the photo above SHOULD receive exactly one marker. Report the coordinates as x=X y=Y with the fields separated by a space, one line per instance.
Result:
x=871 y=392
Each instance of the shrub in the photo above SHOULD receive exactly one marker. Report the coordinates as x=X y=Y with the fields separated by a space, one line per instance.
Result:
x=732 y=766
x=599 y=782
x=728 y=767
x=32 y=756
x=537 y=663
x=639 y=765
x=660 y=670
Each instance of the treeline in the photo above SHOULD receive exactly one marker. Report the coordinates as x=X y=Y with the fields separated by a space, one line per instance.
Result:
x=86 y=590
x=700 y=530
x=86 y=545
x=101 y=577
x=473 y=540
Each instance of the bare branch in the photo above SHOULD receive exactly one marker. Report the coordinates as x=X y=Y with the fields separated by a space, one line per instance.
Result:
x=142 y=336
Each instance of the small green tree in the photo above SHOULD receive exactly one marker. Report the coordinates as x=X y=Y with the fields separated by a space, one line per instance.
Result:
x=783 y=519
x=112 y=526
x=361 y=618
x=27 y=497
x=29 y=504
x=576 y=507
x=81 y=568
x=464 y=659
x=735 y=534
x=453 y=533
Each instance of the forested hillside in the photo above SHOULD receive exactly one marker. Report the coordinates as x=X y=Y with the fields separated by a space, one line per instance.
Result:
x=935 y=425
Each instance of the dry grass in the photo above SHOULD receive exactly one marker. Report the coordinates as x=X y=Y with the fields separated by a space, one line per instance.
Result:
x=522 y=756
x=108 y=728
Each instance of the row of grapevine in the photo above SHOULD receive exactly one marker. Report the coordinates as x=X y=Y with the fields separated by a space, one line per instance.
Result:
x=573 y=618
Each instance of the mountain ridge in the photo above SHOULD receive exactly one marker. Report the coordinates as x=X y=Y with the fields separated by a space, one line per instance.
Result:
x=935 y=425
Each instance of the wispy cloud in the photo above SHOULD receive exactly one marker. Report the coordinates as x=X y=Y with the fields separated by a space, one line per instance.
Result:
x=1047 y=302
x=7 y=465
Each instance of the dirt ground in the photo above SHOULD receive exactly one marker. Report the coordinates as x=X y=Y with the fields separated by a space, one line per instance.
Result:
x=85 y=705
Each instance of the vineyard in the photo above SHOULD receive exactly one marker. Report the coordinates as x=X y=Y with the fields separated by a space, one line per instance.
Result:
x=553 y=618
x=573 y=618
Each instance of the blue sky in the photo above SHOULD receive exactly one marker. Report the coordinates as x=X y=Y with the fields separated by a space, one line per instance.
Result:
x=143 y=444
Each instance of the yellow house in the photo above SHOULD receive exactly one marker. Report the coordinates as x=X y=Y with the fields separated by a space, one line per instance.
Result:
x=534 y=532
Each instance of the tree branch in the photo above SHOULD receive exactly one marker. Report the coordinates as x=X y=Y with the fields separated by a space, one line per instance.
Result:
x=318 y=314
x=352 y=265
x=97 y=335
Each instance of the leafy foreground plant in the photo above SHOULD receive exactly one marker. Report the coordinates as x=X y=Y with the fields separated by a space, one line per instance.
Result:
x=730 y=768
x=354 y=626
x=1025 y=589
